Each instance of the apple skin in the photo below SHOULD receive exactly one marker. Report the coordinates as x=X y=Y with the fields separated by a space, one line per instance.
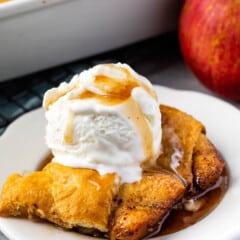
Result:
x=209 y=37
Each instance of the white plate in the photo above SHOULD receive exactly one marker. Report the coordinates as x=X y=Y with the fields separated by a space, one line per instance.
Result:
x=22 y=148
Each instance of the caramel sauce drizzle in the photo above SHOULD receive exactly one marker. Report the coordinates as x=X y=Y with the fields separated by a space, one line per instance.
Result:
x=115 y=91
x=135 y=114
x=69 y=129
x=58 y=95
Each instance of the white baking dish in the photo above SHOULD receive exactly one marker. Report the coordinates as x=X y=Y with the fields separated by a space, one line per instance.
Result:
x=38 y=34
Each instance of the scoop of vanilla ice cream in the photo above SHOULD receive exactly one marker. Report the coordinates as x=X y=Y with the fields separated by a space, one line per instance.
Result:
x=106 y=118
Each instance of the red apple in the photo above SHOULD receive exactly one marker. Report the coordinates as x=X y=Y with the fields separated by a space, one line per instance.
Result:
x=209 y=36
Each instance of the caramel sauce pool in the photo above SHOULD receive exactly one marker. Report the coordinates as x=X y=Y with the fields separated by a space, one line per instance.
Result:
x=179 y=218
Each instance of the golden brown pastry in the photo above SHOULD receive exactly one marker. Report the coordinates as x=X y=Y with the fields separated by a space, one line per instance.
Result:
x=143 y=204
x=207 y=163
x=66 y=196
x=180 y=134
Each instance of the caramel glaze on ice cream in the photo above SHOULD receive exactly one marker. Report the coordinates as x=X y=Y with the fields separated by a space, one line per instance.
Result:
x=114 y=91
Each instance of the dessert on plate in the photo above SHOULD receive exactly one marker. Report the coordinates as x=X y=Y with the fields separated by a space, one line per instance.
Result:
x=121 y=164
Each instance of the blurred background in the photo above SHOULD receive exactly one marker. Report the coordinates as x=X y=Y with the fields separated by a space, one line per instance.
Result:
x=43 y=43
